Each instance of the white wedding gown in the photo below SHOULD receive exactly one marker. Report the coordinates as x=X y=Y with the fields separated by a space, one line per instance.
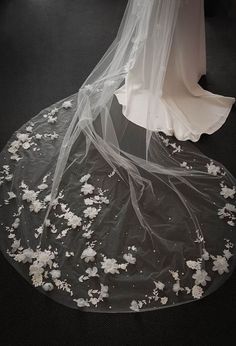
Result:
x=102 y=211
x=182 y=108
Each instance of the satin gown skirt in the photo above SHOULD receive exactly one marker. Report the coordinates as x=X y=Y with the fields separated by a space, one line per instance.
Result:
x=180 y=107
x=103 y=215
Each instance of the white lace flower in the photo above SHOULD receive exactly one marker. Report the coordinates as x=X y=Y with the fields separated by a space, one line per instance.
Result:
x=159 y=285
x=69 y=254
x=19 y=257
x=199 y=238
x=231 y=223
x=74 y=221
x=87 y=234
x=132 y=248
x=123 y=266
x=88 y=255
x=37 y=280
x=109 y=83
x=201 y=277
x=36 y=206
x=68 y=214
x=15 y=245
x=28 y=255
x=81 y=302
x=212 y=169
x=15 y=157
x=88 y=87
x=9 y=177
x=29 y=128
x=164 y=300
x=177 y=148
x=29 y=195
x=54 y=111
x=54 y=135
x=92 y=272
x=110 y=265
x=38 y=231
x=23 y=137
x=36 y=269
x=6 y=168
x=48 y=287
x=13 y=148
x=82 y=278
x=129 y=258
x=228 y=192
x=176 y=287
x=85 y=178
x=47 y=223
x=43 y=186
x=94 y=301
x=220 y=265
x=134 y=306
x=230 y=207
x=16 y=223
x=55 y=274
x=205 y=255
x=227 y=254
x=187 y=289
x=67 y=104
x=194 y=265
x=105 y=200
x=51 y=119
x=45 y=257
x=16 y=143
x=87 y=189
x=38 y=136
x=111 y=174
x=88 y=201
x=11 y=195
x=90 y=212
x=51 y=136
x=223 y=213
x=26 y=145
x=175 y=274
x=104 y=291
x=229 y=244
x=184 y=164
x=197 y=292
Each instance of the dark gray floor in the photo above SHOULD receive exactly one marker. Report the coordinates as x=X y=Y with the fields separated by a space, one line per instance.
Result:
x=48 y=47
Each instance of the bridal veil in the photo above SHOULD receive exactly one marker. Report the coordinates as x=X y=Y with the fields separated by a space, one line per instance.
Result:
x=105 y=205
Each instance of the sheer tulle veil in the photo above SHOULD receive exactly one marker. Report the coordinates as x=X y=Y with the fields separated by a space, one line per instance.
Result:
x=107 y=216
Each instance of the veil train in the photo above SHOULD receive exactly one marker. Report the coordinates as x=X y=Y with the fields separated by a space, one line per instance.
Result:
x=105 y=205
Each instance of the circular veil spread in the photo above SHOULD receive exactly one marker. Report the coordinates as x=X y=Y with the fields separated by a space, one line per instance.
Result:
x=106 y=216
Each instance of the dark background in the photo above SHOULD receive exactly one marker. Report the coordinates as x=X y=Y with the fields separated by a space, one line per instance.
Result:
x=47 y=49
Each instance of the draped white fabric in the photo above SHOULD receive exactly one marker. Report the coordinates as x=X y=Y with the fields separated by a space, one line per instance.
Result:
x=106 y=216
x=175 y=105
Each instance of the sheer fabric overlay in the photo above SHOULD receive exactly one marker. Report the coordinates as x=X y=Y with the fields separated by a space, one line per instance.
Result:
x=105 y=216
